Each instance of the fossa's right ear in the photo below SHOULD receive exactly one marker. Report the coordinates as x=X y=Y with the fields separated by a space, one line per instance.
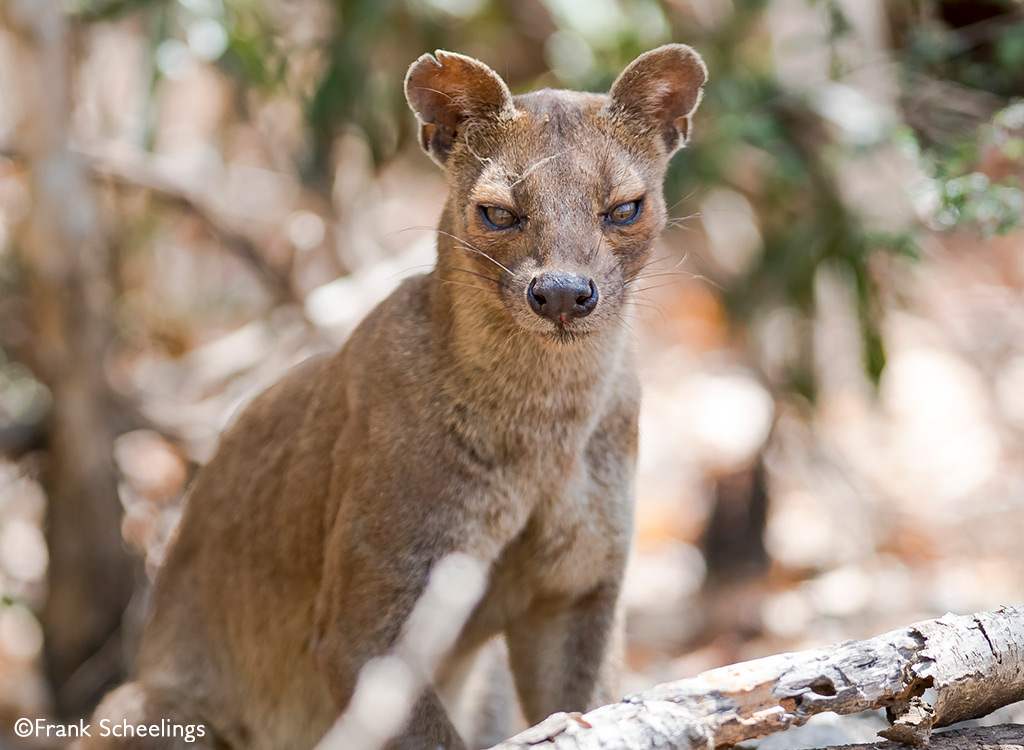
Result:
x=445 y=90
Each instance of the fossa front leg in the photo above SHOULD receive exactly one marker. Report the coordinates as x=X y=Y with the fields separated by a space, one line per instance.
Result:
x=562 y=655
x=380 y=559
x=428 y=727
x=564 y=650
x=361 y=616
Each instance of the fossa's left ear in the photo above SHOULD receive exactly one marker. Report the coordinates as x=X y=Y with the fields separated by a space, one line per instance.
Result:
x=445 y=90
x=660 y=90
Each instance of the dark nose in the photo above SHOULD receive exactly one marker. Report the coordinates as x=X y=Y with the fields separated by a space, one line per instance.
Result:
x=562 y=295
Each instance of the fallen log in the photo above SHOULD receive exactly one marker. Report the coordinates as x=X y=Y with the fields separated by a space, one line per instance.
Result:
x=931 y=674
x=1001 y=737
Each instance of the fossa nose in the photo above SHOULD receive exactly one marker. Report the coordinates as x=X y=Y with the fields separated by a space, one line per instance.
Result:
x=562 y=296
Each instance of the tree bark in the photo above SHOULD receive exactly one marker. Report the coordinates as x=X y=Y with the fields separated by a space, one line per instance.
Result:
x=1002 y=737
x=973 y=665
x=64 y=264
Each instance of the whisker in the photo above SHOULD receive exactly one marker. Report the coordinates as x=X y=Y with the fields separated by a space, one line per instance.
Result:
x=684 y=198
x=467 y=246
x=624 y=258
x=472 y=273
x=702 y=262
x=696 y=276
x=685 y=228
x=668 y=272
x=513 y=336
x=686 y=255
x=471 y=286
x=657 y=286
x=646 y=305
x=464 y=243
x=708 y=280
x=408 y=229
x=663 y=274
x=678 y=220
x=410 y=268
x=630 y=331
x=660 y=309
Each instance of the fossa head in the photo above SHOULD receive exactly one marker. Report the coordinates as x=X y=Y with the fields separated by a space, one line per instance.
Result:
x=555 y=196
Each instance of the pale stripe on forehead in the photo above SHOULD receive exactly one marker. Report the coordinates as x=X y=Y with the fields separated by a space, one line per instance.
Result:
x=494 y=186
x=620 y=180
x=624 y=182
x=497 y=182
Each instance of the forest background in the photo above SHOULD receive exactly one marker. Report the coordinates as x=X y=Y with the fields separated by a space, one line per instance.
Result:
x=196 y=194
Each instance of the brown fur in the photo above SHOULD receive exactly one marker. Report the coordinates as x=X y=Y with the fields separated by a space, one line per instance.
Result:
x=454 y=419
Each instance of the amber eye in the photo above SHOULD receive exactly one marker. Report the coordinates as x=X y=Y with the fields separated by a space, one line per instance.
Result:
x=497 y=217
x=624 y=212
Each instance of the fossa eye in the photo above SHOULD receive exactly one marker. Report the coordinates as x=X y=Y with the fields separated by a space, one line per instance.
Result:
x=497 y=217
x=624 y=212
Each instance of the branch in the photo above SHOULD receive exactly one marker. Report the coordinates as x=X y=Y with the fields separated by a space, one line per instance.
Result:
x=974 y=663
x=138 y=169
x=1001 y=737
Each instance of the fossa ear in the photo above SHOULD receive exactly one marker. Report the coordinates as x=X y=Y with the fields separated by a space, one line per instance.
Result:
x=445 y=90
x=660 y=90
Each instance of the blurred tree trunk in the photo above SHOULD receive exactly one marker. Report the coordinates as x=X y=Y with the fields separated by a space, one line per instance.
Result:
x=64 y=264
x=733 y=543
